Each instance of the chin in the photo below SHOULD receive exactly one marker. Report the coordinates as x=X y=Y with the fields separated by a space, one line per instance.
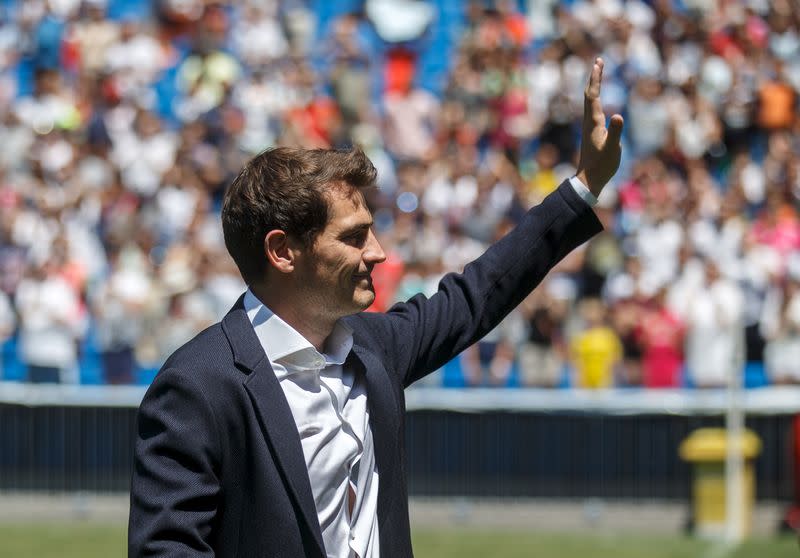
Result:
x=364 y=301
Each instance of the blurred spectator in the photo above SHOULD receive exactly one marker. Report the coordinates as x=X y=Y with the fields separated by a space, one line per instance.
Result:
x=542 y=354
x=489 y=361
x=13 y=256
x=648 y=123
x=776 y=102
x=410 y=117
x=118 y=307
x=627 y=315
x=8 y=323
x=52 y=103
x=144 y=152
x=135 y=60
x=258 y=36
x=596 y=350
x=661 y=335
x=93 y=34
x=205 y=77
x=186 y=313
x=350 y=69
x=51 y=324
x=544 y=179
x=782 y=353
x=715 y=331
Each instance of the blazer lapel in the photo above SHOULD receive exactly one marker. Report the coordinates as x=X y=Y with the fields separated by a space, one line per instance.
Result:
x=384 y=420
x=274 y=413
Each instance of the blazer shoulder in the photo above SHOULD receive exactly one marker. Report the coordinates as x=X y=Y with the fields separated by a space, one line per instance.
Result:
x=371 y=329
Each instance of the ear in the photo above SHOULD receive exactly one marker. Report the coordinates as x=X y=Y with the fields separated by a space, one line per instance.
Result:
x=279 y=251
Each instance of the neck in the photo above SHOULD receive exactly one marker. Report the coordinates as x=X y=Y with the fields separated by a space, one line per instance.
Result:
x=313 y=326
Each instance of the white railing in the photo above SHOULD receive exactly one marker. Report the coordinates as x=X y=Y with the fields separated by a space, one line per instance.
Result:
x=773 y=400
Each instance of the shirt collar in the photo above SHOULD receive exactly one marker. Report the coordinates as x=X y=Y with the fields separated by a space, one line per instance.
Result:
x=285 y=345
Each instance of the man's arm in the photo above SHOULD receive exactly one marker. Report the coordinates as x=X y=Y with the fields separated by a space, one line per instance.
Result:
x=426 y=333
x=422 y=334
x=175 y=485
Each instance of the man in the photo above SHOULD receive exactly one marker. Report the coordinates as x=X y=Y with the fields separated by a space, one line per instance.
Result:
x=279 y=431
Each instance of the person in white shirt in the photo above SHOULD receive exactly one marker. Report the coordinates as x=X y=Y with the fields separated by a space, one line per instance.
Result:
x=51 y=322
x=715 y=336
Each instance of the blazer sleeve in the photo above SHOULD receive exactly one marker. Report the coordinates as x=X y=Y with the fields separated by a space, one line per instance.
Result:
x=175 y=483
x=418 y=336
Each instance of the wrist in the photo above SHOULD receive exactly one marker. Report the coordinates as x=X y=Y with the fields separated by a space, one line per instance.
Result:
x=593 y=187
x=583 y=191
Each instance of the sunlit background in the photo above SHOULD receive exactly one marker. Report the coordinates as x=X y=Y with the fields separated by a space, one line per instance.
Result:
x=646 y=391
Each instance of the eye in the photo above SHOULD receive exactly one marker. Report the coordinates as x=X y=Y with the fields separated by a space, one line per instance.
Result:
x=357 y=238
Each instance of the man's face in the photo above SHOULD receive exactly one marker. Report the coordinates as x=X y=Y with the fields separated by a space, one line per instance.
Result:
x=335 y=273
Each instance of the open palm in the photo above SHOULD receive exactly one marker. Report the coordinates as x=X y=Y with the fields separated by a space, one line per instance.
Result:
x=600 y=146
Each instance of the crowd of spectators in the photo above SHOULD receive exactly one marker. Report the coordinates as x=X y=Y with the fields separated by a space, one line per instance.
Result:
x=122 y=127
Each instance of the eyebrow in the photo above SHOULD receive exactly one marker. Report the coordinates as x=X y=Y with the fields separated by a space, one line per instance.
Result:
x=356 y=228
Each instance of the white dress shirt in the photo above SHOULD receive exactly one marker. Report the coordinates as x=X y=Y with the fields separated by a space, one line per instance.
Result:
x=329 y=406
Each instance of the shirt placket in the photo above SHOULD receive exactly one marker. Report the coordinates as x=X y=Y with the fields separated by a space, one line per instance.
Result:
x=354 y=471
x=338 y=402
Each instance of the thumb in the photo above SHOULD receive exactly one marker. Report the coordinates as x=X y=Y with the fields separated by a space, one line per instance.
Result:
x=614 y=130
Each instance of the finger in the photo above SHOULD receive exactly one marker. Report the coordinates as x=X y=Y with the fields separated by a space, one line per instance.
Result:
x=593 y=108
x=595 y=77
x=615 y=126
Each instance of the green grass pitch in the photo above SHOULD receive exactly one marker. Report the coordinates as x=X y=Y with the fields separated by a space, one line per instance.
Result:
x=96 y=540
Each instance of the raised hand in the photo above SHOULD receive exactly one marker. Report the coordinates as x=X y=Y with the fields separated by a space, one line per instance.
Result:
x=600 y=147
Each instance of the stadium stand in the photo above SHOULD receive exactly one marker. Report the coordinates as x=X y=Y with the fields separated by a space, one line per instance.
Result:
x=123 y=121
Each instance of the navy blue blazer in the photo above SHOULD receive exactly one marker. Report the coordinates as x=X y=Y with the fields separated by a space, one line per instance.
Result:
x=218 y=466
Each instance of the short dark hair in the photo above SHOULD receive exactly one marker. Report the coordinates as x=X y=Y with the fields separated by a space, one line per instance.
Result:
x=285 y=188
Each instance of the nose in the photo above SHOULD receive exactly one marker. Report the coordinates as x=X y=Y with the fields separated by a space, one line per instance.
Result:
x=373 y=252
